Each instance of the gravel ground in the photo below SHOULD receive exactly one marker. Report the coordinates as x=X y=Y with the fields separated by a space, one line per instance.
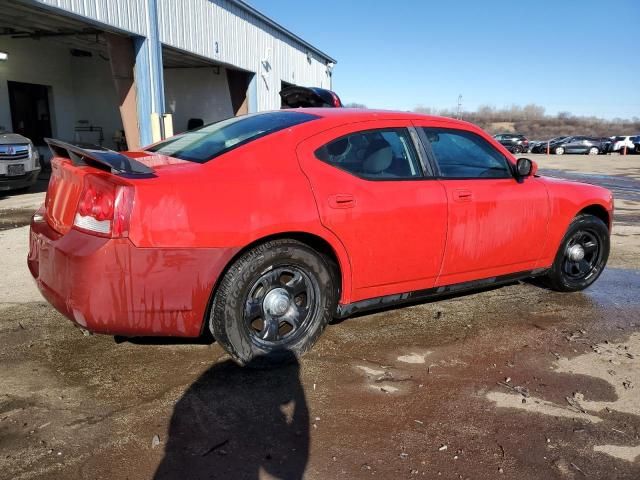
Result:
x=515 y=382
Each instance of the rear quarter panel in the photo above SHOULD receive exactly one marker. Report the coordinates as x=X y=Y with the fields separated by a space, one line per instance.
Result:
x=566 y=200
x=247 y=194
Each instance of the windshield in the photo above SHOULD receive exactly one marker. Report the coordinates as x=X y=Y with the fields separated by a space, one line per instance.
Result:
x=212 y=140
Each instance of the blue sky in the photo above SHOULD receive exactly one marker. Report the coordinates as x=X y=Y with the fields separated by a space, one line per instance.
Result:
x=577 y=56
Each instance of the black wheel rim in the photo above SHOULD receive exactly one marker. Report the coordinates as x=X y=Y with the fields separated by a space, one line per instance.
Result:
x=581 y=255
x=280 y=306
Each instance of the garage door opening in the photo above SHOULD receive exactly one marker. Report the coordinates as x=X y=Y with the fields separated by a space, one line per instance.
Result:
x=57 y=80
x=199 y=91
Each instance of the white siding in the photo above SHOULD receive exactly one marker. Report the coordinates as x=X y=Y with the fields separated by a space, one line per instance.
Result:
x=127 y=15
x=243 y=41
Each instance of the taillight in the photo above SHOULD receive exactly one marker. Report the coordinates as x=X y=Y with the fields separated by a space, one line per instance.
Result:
x=104 y=207
x=336 y=100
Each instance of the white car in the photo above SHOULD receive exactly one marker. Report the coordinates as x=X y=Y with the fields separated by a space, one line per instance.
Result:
x=19 y=162
x=618 y=144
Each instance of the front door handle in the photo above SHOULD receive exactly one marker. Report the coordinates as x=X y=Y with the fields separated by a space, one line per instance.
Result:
x=342 y=200
x=462 y=195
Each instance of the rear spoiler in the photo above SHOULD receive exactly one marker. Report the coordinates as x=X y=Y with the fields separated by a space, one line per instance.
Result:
x=99 y=157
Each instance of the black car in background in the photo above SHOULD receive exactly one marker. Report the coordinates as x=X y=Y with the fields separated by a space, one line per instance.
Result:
x=513 y=142
x=541 y=147
x=636 y=144
x=579 y=144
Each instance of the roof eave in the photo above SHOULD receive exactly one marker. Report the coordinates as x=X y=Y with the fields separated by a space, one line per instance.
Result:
x=280 y=28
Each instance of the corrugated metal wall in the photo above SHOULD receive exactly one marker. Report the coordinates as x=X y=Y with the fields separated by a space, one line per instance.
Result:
x=127 y=15
x=222 y=30
x=217 y=29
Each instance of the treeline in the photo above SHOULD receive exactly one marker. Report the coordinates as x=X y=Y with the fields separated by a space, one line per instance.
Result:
x=532 y=122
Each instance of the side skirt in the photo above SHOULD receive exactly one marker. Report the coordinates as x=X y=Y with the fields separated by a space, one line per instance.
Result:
x=344 y=311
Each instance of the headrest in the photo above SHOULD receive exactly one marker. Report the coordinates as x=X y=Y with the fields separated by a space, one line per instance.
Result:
x=378 y=157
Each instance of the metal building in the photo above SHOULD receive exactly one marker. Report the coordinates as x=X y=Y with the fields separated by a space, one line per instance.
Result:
x=120 y=72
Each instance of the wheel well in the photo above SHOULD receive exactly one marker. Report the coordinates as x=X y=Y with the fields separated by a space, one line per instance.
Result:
x=319 y=244
x=597 y=211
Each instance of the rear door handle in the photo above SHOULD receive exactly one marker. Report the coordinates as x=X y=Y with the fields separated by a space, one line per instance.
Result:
x=462 y=195
x=342 y=200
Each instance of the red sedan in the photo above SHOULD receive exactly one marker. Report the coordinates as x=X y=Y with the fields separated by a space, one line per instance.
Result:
x=264 y=227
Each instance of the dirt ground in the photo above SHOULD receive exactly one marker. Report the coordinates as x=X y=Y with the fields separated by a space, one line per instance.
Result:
x=515 y=382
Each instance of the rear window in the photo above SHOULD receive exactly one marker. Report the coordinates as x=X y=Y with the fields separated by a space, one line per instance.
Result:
x=212 y=140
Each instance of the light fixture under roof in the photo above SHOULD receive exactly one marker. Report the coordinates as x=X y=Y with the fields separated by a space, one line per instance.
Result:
x=3 y=56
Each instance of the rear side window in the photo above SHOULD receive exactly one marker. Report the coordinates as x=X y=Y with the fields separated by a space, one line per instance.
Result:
x=212 y=140
x=385 y=154
x=461 y=154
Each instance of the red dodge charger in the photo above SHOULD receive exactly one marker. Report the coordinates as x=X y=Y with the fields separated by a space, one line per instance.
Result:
x=264 y=227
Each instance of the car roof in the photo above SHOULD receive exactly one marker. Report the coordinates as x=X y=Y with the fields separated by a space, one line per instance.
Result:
x=363 y=114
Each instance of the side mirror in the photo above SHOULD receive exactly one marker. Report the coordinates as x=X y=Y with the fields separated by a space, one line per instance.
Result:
x=526 y=168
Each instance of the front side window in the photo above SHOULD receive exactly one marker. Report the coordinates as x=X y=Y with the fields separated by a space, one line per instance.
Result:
x=212 y=140
x=462 y=154
x=385 y=154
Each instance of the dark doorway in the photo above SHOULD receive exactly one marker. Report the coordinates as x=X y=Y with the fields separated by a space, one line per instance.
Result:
x=238 y=85
x=29 y=103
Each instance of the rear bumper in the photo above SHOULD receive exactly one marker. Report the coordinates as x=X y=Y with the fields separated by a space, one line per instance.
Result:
x=23 y=181
x=110 y=286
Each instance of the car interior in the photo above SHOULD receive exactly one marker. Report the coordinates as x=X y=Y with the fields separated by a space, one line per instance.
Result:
x=375 y=154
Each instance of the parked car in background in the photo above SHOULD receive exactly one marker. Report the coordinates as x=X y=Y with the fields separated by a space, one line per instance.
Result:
x=541 y=147
x=19 y=162
x=269 y=248
x=513 y=142
x=636 y=144
x=533 y=144
x=578 y=144
x=620 y=142
x=295 y=96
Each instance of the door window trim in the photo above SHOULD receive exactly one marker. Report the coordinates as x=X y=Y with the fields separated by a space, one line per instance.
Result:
x=425 y=169
x=426 y=144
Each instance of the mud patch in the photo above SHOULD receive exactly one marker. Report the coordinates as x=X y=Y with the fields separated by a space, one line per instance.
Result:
x=616 y=364
x=15 y=218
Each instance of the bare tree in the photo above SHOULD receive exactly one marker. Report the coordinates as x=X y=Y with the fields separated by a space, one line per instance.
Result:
x=532 y=121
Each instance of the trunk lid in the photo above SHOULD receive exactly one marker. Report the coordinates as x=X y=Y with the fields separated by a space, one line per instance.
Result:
x=68 y=169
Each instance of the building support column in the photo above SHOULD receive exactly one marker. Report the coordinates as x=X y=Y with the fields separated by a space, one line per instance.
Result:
x=150 y=78
x=122 y=60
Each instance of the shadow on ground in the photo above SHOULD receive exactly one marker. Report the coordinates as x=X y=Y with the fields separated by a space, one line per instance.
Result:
x=235 y=422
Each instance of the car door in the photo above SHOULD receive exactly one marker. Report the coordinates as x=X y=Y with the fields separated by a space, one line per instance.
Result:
x=373 y=193
x=576 y=145
x=496 y=224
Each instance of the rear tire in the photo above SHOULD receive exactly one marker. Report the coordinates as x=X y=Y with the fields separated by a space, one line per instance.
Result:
x=582 y=255
x=275 y=300
x=593 y=151
x=517 y=149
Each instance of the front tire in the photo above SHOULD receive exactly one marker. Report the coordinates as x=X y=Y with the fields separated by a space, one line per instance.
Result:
x=582 y=255
x=560 y=151
x=276 y=299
